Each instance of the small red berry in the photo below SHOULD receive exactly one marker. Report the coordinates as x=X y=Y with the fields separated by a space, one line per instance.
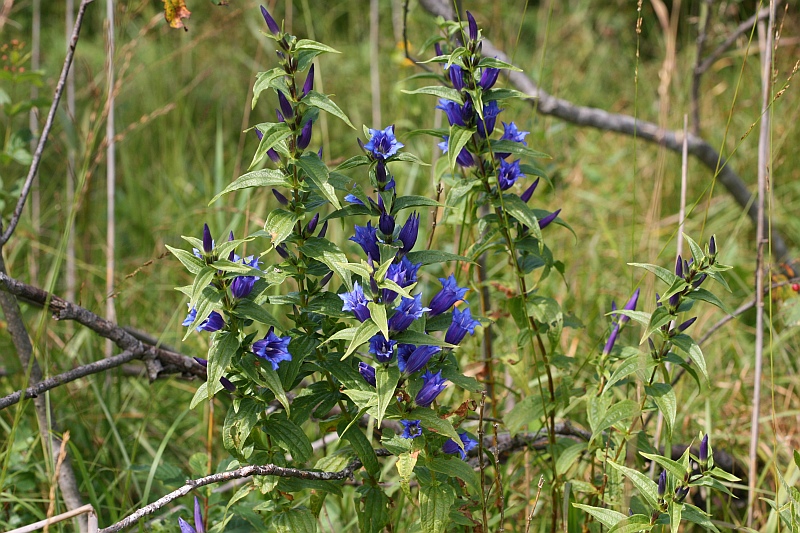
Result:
x=796 y=287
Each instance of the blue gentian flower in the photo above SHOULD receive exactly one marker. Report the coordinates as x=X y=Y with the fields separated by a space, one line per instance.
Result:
x=408 y=233
x=488 y=77
x=243 y=285
x=367 y=372
x=273 y=348
x=411 y=429
x=367 y=238
x=271 y=24
x=225 y=382
x=410 y=361
x=433 y=385
x=456 y=77
x=454 y=112
x=508 y=174
x=630 y=305
x=198 y=515
x=386 y=224
x=190 y=317
x=407 y=312
x=353 y=199
x=383 y=144
x=544 y=222
x=511 y=133
x=462 y=324
x=452 y=446
x=382 y=349
x=464 y=158
x=403 y=273
x=356 y=302
x=490 y=112
x=703 y=456
x=214 y=322
x=445 y=298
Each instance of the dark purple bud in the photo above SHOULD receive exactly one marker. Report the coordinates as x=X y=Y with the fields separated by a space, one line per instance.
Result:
x=380 y=172
x=281 y=249
x=326 y=279
x=489 y=77
x=286 y=107
x=225 y=382
x=473 y=27
x=308 y=86
x=685 y=325
x=208 y=242
x=662 y=483
x=456 y=77
x=319 y=153
x=323 y=231
x=712 y=246
x=611 y=340
x=305 y=136
x=652 y=346
x=386 y=224
x=529 y=191
x=367 y=372
x=280 y=117
x=381 y=205
x=231 y=256
x=417 y=359
x=438 y=49
x=373 y=285
x=703 y=452
x=478 y=50
x=544 y=222
x=312 y=224
x=674 y=300
x=408 y=233
x=259 y=134
x=361 y=144
x=434 y=384
x=274 y=155
x=281 y=198
x=679 y=267
x=681 y=493
x=630 y=305
x=271 y=24
x=658 y=300
x=201 y=362
x=699 y=281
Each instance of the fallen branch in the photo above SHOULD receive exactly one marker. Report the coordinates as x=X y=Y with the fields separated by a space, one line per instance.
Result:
x=547 y=104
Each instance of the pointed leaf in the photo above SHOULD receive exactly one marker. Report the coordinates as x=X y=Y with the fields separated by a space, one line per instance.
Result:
x=316 y=170
x=646 y=486
x=257 y=178
x=273 y=134
x=434 y=506
x=437 y=90
x=386 y=379
x=320 y=101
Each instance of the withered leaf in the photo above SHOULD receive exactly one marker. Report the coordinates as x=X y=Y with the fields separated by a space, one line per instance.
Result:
x=175 y=11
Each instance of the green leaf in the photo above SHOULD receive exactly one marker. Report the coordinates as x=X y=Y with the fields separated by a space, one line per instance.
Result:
x=378 y=314
x=367 y=329
x=493 y=62
x=308 y=44
x=264 y=81
x=434 y=506
x=664 y=397
x=361 y=445
x=410 y=158
x=516 y=148
x=607 y=517
x=223 y=348
x=632 y=524
x=673 y=467
x=353 y=162
x=279 y=225
x=240 y=422
x=273 y=382
x=619 y=411
x=697 y=252
x=431 y=421
x=667 y=276
x=320 y=101
x=192 y=263
x=404 y=202
x=201 y=281
x=291 y=437
x=660 y=317
x=374 y=517
x=707 y=296
x=569 y=457
x=437 y=90
x=316 y=170
x=273 y=134
x=386 y=379
x=418 y=338
x=459 y=137
x=628 y=367
x=430 y=257
x=299 y=520
x=690 y=347
x=328 y=253
x=257 y=178
x=696 y=516
x=502 y=94
x=518 y=209
x=529 y=411
x=675 y=510
x=639 y=316
x=455 y=467
x=646 y=486
x=405 y=467
x=250 y=310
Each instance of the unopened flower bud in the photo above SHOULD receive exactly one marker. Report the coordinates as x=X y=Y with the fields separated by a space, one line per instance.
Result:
x=323 y=230
x=308 y=86
x=326 y=279
x=703 y=456
x=274 y=155
x=271 y=24
x=685 y=325
x=208 y=242
x=473 y=27
x=544 y=222
x=699 y=281
x=525 y=196
x=386 y=224
x=282 y=251
x=662 y=484
x=312 y=224
x=456 y=77
x=679 y=267
x=286 y=107
x=281 y=198
x=305 y=136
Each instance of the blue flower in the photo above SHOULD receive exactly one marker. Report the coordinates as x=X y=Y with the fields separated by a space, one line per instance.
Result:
x=225 y=382
x=243 y=285
x=414 y=359
x=452 y=446
x=511 y=133
x=464 y=158
x=383 y=144
x=382 y=349
x=630 y=305
x=367 y=238
x=356 y=302
x=456 y=115
x=286 y=106
x=408 y=233
x=386 y=224
x=273 y=348
x=445 y=298
x=214 y=322
x=367 y=372
x=198 y=515
x=411 y=429
x=490 y=112
x=488 y=77
x=462 y=324
x=403 y=273
x=407 y=312
x=456 y=77
x=508 y=174
x=353 y=199
x=433 y=385
x=473 y=27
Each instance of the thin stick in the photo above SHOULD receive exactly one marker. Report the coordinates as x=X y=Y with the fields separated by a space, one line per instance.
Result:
x=62 y=454
x=765 y=35
x=697 y=74
x=85 y=509
x=48 y=125
x=70 y=274
x=34 y=127
x=111 y=174
x=374 y=61
x=535 y=502
x=498 y=479
x=481 y=464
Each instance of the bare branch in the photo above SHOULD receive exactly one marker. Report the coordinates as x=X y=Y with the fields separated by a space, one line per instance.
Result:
x=547 y=104
x=64 y=310
x=48 y=125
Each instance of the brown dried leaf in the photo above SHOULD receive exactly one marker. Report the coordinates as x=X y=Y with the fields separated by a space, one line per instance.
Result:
x=175 y=11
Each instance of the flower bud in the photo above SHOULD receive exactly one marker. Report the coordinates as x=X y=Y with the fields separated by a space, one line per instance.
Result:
x=308 y=86
x=282 y=251
x=271 y=24
x=208 y=242
x=305 y=136
x=456 y=77
x=703 y=456
x=685 y=325
x=699 y=281
x=386 y=224
x=286 y=106
x=473 y=27
x=438 y=49
x=326 y=279
x=712 y=246
x=489 y=77
x=679 y=267
x=367 y=372
x=662 y=483
x=323 y=231
x=525 y=196
x=544 y=222
x=274 y=155
x=312 y=224
x=279 y=115
x=281 y=198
